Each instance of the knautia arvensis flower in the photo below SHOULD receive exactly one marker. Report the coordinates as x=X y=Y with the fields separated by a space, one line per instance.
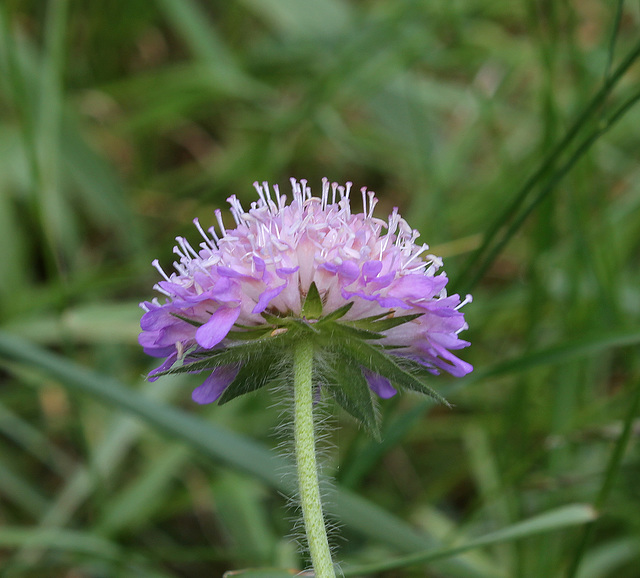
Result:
x=349 y=302
x=359 y=286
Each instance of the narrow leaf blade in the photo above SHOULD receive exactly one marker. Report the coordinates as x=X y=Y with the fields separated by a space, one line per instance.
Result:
x=351 y=390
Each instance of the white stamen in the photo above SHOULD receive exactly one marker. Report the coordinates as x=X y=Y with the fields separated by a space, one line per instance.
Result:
x=218 y=214
x=213 y=233
x=186 y=246
x=209 y=242
x=306 y=191
x=280 y=198
x=372 y=203
x=178 y=251
x=325 y=193
x=156 y=264
x=180 y=268
x=417 y=254
x=236 y=209
x=267 y=192
x=467 y=299
x=161 y=290
x=260 y=192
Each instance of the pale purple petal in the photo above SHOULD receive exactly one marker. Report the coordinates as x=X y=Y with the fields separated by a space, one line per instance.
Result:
x=216 y=329
x=415 y=287
x=456 y=366
x=154 y=320
x=266 y=297
x=214 y=386
x=159 y=351
x=349 y=270
x=378 y=384
x=232 y=273
x=284 y=272
x=383 y=281
x=226 y=290
x=260 y=266
x=371 y=269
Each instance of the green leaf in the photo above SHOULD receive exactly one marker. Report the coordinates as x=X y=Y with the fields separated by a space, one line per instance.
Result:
x=572 y=515
x=58 y=539
x=253 y=376
x=378 y=323
x=288 y=322
x=249 y=333
x=351 y=332
x=371 y=318
x=391 y=322
x=338 y=313
x=312 y=308
x=210 y=359
x=264 y=573
x=351 y=390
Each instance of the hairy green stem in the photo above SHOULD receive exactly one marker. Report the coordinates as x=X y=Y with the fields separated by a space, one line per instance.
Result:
x=306 y=461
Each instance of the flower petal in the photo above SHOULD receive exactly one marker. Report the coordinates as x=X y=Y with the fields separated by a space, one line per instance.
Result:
x=217 y=327
x=371 y=269
x=215 y=384
x=266 y=297
x=378 y=384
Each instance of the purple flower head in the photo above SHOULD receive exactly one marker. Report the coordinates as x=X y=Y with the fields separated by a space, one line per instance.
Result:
x=353 y=282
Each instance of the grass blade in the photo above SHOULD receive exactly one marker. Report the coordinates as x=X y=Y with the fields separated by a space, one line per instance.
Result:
x=221 y=445
x=481 y=259
x=564 y=517
x=58 y=539
x=610 y=474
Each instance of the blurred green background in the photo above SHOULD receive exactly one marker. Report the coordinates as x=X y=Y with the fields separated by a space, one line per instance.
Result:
x=505 y=131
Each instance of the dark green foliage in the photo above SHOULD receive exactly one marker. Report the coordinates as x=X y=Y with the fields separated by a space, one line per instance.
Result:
x=252 y=376
x=350 y=389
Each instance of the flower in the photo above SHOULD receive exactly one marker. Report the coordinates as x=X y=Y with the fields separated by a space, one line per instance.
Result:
x=313 y=265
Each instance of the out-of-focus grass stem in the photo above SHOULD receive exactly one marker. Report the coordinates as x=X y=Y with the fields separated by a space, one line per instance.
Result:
x=555 y=179
x=482 y=259
x=48 y=128
x=612 y=470
x=614 y=37
x=15 y=83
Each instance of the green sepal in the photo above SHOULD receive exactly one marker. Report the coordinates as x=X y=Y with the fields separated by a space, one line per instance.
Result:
x=353 y=332
x=249 y=334
x=374 y=358
x=289 y=322
x=312 y=308
x=338 y=313
x=253 y=375
x=373 y=317
x=382 y=324
x=186 y=319
x=351 y=391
